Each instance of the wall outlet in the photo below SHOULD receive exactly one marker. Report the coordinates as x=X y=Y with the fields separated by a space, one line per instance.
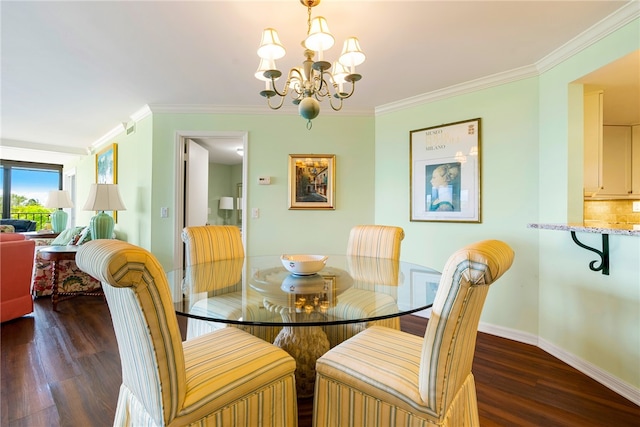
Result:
x=636 y=207
x=255 y=213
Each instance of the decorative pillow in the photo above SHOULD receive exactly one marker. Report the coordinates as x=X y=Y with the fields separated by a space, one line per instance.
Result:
x=84 y=237
x=7 y=229
x=66 y=237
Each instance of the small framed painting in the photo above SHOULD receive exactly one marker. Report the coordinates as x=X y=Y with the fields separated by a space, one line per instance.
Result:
x=445 y=172
x=312 y=181
x=107 y=165
x=107 y=169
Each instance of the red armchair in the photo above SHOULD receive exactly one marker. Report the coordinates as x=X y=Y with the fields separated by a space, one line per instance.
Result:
x=16 y=267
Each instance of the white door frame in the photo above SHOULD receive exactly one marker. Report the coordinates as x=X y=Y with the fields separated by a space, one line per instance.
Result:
x=181 y=160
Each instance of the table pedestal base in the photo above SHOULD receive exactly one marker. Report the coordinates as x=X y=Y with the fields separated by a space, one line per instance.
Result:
x=305 y=344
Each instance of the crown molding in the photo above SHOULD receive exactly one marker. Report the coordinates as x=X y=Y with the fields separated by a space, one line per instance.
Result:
x=460 y=89
x=107 y=137
x=141 y=113
x=595 y=33
x=25 y=145
x=150 y=109
x=238 y=109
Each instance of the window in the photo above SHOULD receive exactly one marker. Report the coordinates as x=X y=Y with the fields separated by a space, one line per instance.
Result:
x=28 y=185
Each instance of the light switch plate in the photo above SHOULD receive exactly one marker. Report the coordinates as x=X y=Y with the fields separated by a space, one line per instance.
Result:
x=636 y=206
x=264 y=180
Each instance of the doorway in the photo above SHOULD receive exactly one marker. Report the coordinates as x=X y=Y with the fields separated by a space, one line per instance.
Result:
x=223 y=149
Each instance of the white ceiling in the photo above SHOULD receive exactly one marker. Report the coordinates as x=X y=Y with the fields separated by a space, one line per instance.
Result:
x=72 y=71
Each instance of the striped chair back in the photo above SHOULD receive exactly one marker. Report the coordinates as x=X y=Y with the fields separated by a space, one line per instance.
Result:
x=380 y=241
x=450 y=337
x=216 y=278
x=149 y=340
x=368 y=272
x=212 y=243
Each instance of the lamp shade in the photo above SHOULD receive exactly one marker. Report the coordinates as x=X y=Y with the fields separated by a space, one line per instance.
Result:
x=351 y=55
x=58 y=199
x=265 y=65
x=226 y=203
x=104 y=197
x=270 y=46
x=319 y=37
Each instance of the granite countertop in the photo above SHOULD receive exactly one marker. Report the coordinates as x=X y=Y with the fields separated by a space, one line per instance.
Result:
x=592 y=227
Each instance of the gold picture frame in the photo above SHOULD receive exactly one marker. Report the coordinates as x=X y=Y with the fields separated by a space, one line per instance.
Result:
x=312 y=181
x=444 y=169
x=107 y=169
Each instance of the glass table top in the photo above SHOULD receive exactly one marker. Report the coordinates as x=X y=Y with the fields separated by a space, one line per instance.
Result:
x=260 y=291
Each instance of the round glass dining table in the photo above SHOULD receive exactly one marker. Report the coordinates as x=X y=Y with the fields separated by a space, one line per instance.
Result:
x=304 y=315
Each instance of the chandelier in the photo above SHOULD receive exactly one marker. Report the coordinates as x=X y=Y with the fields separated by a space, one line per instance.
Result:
x=309 y=84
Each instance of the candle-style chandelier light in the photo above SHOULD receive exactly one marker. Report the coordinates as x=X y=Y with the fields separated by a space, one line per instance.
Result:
x=309 y=83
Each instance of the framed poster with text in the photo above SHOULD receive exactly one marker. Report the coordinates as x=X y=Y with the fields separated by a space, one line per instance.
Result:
x=445 y=172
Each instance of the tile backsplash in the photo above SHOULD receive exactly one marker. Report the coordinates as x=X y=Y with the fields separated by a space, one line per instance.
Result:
x=611 y=211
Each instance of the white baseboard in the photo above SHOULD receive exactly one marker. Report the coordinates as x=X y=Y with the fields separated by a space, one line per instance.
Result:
x=615 y=384
x=512 y=334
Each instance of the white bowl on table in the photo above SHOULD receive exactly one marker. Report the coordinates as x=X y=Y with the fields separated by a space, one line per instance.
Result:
x=303 y=265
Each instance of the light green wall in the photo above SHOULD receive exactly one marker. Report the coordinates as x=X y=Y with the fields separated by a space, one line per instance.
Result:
x=509 y=196
x=134 y=182
x=590 y=315
x=531 y=172
x=271 y=139
x=147 y=172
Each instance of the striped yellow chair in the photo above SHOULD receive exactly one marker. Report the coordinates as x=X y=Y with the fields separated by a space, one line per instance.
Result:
x=203 y=245
x=385 y=377
x=212 y=243
x=378 y=241
x=225 y=378
x=373 y=252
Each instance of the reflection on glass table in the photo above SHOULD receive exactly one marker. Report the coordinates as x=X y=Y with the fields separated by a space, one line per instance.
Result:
x=304 y=315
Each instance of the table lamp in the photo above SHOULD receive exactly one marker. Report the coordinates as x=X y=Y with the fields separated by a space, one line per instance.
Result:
x=226 y=204
x=103 y=197
x=59 y=199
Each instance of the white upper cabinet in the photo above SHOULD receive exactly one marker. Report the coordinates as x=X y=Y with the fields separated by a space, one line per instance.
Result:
x=616 y=161
x=593 y=107
x=611 y=154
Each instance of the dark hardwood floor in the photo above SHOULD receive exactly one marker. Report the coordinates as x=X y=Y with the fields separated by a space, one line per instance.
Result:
x=63 y=369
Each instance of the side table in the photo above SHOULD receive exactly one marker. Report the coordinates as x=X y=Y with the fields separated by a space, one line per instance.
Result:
x=56 y=254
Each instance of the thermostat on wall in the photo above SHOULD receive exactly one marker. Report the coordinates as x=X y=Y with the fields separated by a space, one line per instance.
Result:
x=264 y=180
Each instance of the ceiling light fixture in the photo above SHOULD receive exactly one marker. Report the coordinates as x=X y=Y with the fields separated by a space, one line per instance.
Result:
x=309 y=84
